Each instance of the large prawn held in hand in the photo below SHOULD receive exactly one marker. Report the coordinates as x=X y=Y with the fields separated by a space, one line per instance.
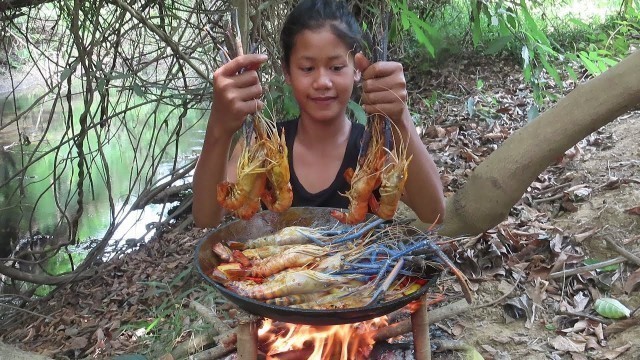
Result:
x=382 y=162
x=263 y=168
x=393 y=178
x=367 y=175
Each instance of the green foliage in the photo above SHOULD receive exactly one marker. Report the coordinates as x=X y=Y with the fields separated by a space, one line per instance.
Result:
x=554 y=40
x=279 y=101
x=501 y=25
x=409 y=20
x=171 y=319
x=602 y=47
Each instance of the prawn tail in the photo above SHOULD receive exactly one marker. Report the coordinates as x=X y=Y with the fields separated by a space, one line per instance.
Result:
x=352 y=217
x=248 y=210
x=385 y=208
x=282 y=201
x=227 y=197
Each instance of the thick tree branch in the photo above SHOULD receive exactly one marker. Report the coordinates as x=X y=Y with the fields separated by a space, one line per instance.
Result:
x=500 y=180
x=17 y=4
x=44 y=279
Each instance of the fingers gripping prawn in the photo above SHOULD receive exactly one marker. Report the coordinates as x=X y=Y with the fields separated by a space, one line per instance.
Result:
x=263 y=172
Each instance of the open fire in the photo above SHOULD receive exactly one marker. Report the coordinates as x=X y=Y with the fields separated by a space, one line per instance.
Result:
x=291 y=341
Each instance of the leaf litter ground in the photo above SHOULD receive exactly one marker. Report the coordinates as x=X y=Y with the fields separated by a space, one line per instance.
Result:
x=570 y=217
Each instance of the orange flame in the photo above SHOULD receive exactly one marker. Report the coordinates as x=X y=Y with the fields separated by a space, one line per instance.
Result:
x=344 y=342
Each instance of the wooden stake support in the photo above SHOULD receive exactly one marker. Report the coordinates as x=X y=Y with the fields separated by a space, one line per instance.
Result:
x=247 y=344
x=420 y=329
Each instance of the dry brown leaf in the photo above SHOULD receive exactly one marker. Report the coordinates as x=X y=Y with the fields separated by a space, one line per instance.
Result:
x=579 y=326
x=632 y=281
x=622 y=325
x=457 y=329
x=580 y=300
x=78 y=343
x=633 y=211
x=568 y=206
x=600 y=334
x=578 y=356
x=563 y=343
x=612 y=354
x=592 y=343
x=578 y=238
x=489 y=349
x=435 y=132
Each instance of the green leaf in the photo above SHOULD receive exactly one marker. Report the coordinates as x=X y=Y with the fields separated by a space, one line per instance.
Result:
x=578 y=22
x=533 y=113
x=588 y=64
x=471 y=106
x=604 y=268
x=137 y=89
x=101 y=84
x=358 y=112
x=532 y=26
x=476 y=31
x=611 y=308
x=552 y=71
x=264 y=5
x=610 y=61
x=498 y=44
x=527 y=72
x=153 y=324
x=65 y=74
x=422 y=39
x=472 y=354
x=525 y=55
x=572 y=74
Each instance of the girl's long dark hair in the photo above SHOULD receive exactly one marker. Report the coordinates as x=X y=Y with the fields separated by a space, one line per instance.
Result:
x=315 y=14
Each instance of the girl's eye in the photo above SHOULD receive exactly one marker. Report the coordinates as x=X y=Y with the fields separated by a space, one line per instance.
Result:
x=338 y=67
x=306 y=69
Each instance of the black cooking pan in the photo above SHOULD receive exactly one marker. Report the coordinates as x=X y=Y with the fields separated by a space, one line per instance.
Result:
x=267 y=222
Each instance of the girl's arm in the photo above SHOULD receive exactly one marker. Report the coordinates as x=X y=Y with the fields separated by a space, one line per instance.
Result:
x=384 y=91
x=235 y=95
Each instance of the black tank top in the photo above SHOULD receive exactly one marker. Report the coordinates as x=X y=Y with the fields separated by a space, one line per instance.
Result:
x=331 y=196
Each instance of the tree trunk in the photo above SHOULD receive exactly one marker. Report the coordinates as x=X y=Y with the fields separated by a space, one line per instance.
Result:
x=503 y=177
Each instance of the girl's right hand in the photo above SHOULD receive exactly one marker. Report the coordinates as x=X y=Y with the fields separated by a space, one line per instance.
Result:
x=236 y=92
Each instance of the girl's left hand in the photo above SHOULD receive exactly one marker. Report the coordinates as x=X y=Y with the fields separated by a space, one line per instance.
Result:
x=384 y=89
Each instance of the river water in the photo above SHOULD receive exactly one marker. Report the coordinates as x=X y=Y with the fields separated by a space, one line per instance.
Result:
x=39 y=199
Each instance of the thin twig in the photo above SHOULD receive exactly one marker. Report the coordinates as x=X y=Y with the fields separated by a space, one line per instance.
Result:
x=504 y=296
x=622 y=251
x=552 y=189
x=588 y=316
x=587 y=268
x=27 y=311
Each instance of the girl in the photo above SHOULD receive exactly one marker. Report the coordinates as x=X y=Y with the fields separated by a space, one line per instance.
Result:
x=319 y=39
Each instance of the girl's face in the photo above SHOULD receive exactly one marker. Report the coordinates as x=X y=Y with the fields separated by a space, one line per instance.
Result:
x=321 y=74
